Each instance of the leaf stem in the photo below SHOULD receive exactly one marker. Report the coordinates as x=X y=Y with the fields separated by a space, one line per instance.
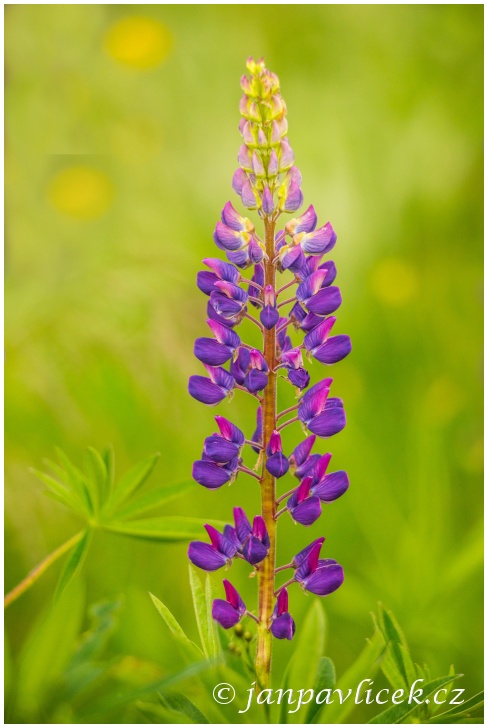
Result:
x=39 y=570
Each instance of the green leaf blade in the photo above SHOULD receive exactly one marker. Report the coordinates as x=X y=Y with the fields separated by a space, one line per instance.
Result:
x=190 y=649
x=74 y=562
x=164 y=529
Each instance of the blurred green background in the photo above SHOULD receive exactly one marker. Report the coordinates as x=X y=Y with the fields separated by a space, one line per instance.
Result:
x=121 y=142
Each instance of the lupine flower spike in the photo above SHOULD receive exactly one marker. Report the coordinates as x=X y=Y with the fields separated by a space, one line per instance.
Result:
x=295 y=319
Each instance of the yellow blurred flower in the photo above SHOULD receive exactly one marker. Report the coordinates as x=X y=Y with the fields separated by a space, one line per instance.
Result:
x=81 y=192
x=394 y=281
x=138 y=42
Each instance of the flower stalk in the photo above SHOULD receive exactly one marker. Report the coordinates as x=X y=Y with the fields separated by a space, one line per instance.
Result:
x=269 y=183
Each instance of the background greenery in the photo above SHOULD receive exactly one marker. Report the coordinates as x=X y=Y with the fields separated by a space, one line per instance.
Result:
x=121 y=126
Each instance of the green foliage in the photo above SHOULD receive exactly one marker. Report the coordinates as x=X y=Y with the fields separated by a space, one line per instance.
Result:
x=91 y=494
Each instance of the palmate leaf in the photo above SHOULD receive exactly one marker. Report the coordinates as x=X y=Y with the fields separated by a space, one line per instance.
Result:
x=96 y=471
x=78 y=482
x=202 y=602
x=129 y=696
x=60 y=492
x=470 y=709
x=179 y=703
x=397 y=665
x=190 y=649
x=154 y=498
x=130 y=482
x=165 y=529
x=325 y=680
x=309 y=648
x=74 y=562
x=398 y=713
x=366 y=666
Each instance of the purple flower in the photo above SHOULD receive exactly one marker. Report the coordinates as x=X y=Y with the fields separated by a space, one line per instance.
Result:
x=258 y=432
x=219 y=350
x=292 y=360
x=219 y=271
x=232 y=219
x=276 y=463
x=268 y=181
x=322 y=416
x=300 y=456
x=257 y=377
x=253 y=541
x=219 y=552
x=304 y=507
x=240 y=365
x=269 y=315
x=282 y=624
x=229 y=612
x=212 y=389
x=319 y=576
x=327 y=349
x=224 y=447
x=319 y=241
x=214 y=475
x=258 y=277
x=319 y=300
x=303 y=224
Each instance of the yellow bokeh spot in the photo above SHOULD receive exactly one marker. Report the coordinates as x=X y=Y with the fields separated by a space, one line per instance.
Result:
x=81 y=192
x=138 y=42
x=394 y=281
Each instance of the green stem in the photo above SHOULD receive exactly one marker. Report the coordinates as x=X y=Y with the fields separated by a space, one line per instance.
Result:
x=39 y=570
x=268 y=486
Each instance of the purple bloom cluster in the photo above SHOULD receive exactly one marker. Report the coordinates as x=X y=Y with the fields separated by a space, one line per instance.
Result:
x=267 y=181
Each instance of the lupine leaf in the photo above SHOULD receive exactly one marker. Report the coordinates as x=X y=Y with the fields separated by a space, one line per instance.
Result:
x=398 y=713
x=77 y=481
x=166 y=529
x=191 y=649
x=365 y=666
x=284 y=704
x=201 y=613
x=325 y=680
x=97 y=473
x=85 y=667
x=397 y=665
x=181 y=704
x=308 y=651
x=132 y=480
x=48 y=648
x=109 y=460
x=74 y=562
x=468 y=709
x=130 y=696
x=215 y=648
x=61 y=493
x=154 y=498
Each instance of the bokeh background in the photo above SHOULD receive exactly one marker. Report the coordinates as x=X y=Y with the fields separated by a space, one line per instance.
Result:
x=121 y=141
